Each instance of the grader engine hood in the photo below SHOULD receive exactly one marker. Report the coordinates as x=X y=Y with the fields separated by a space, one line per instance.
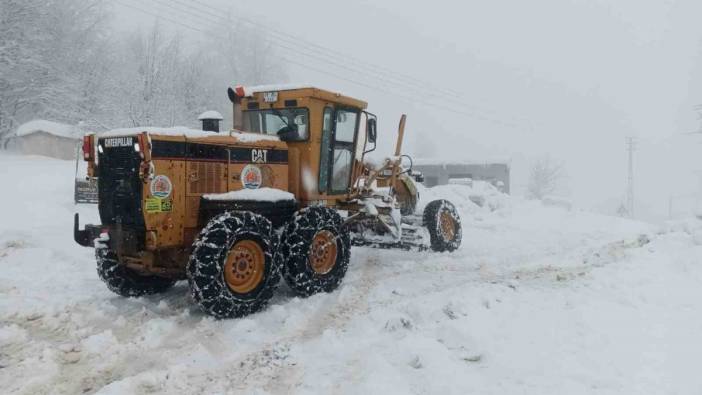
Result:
x=150 y=183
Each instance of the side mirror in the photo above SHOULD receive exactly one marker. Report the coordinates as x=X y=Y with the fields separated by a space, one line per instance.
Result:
x=289 y=133
x=371 y=129
x=232 y=95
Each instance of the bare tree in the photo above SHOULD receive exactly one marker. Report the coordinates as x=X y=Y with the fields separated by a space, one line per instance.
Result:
x=49 y=60
x=545 y=177
x=22 y=72
x=261 y=63
x=60 y=61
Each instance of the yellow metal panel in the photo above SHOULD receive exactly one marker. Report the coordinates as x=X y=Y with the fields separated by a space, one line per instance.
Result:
x=273 y=175
x=165 y=215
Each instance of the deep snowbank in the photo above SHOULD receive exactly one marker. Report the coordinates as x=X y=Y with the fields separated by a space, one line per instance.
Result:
x=538 y=300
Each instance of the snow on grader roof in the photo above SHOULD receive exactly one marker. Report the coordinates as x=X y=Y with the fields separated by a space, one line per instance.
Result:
x=250 y=90
x=326 y=94
x=50 y=127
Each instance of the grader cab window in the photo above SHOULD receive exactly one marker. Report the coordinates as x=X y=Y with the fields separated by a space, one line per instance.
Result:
x=336 y=156
x=290 y=124
x=327 y=130
x=345 y=126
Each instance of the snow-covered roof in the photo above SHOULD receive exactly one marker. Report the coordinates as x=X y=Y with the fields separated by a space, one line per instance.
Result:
x=261 y=195
x=459 y=162
x=210 y=115
x=55 y=128
x=250 y=90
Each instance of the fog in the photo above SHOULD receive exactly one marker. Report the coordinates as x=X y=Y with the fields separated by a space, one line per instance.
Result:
x=568 y=79
x=176 y=256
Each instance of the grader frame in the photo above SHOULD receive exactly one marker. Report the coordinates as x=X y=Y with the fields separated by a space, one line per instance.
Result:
x=196 y=205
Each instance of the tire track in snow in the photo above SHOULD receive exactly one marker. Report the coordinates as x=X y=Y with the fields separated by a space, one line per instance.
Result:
x=61 y=337
x=269 y=367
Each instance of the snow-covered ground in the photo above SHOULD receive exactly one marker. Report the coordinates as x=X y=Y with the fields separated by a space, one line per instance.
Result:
x=538 y=300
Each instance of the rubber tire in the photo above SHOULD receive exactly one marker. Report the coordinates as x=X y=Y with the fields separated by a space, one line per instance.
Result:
x=294 y=246
x=432 y=212
x=205 y=269
x=124 y=281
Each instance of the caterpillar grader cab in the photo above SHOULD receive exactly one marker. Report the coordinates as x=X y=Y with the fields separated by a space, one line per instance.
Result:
x=286 y=192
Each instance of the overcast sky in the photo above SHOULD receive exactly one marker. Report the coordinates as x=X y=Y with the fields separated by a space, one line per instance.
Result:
x=512 y=79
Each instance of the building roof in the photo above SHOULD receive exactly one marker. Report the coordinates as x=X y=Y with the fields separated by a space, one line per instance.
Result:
x=461 y=162
x=50 y=127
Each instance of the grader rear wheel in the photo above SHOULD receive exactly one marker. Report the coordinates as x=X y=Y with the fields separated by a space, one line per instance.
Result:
x=323 y=252
x=124 y=281
x=243 y=269
x=314 y=251
x=231 y=271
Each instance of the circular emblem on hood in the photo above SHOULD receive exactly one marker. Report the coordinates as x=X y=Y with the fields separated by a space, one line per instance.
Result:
x=251 y=177
x=161 y=187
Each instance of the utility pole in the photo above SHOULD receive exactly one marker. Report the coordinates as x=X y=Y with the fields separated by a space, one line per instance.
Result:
x=630 y=147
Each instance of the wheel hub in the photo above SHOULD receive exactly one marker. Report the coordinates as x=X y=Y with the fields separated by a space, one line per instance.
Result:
x=447 y=225
x=323 y=252
x=243 y=269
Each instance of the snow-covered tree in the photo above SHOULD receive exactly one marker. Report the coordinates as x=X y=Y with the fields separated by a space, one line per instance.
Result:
x=161 y=83
x=544 y=178
x=22 y=72
x=60 y=61
x=238 y=54
x=50 y=64
x=244 y=54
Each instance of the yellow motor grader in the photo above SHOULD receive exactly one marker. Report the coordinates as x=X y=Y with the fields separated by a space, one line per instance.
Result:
x=288 y=190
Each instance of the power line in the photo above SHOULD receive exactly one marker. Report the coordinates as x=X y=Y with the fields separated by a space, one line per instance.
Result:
x=158 y=16
x=297 y=51
x=325 y=58
x=411 y=99
x=297 y=40
x=408 y=98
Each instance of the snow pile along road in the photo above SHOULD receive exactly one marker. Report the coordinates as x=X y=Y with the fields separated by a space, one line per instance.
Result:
x=538 y=299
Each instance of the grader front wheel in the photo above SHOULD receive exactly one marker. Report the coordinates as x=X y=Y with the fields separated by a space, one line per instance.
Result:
x=444 y=225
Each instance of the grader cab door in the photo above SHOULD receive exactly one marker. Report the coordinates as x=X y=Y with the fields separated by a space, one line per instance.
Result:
x=337 y=154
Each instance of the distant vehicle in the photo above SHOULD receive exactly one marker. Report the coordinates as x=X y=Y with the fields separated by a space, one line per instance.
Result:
x=287 y=191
